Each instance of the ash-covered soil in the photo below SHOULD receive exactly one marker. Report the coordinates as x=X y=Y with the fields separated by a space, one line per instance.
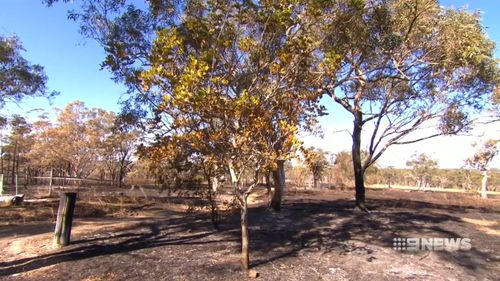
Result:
x=317 y=236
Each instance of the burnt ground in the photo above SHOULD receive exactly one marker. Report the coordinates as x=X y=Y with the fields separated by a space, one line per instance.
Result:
x=317 y=236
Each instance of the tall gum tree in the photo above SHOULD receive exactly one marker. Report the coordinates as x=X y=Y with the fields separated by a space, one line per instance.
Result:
x=407 y=71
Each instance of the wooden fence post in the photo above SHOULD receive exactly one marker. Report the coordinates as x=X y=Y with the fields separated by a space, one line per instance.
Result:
x=62 y=232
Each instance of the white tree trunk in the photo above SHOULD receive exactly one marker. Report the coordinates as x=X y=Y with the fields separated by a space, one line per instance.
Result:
x=215 y=183
x=484 y=184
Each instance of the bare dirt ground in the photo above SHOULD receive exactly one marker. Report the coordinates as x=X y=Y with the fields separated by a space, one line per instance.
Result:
x=317 y=236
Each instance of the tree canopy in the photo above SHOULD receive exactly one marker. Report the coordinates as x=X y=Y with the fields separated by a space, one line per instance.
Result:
x=18 y=77
x=230 y=83
x=406 y=70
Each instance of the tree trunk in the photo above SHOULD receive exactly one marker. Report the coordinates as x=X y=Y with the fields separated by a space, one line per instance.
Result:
x=1 y=156
x=62 y=232
x=17 y=167
x=356 y=161
x=16 y=183
x=212 y=197
x=279 y=185
x=122 y=171
x=269 y=188
x=484 y=184
x=120 y=178
x=1 y=184
x=27 y=178
x=50 y=181
x=245 y=256
x=315 y=182
x=13 y=172
x=213 y=208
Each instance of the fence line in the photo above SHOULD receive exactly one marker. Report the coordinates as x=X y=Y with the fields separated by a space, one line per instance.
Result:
x=72 y=178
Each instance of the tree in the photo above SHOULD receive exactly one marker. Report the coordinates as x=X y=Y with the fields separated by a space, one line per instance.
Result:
x=342 y=168
x=123 y=140
x=224 y=91
x=231 y=80
x=19 y=144
x=43 y=155
x=422 y=167
x=80 y=143
x=388 y=174
x=77 y=138
x=402 y=67
x=480 y=161
x=19 y=78
x=3 y=125
x=317 y=163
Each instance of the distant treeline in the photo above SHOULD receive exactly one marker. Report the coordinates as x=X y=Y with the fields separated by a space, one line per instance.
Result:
x=335 y=171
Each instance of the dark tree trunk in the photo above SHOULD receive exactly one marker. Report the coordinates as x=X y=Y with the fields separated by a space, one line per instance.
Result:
x=120 y=178
x=214 y=210
x=1 y=159
x=245 y=256
x=268 y=186
x=121 y=173
x=212 y=197
x=356 y=161
x=62 y=232
x=279 y=185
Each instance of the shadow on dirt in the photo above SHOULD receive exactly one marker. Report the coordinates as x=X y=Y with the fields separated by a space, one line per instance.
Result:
x=302 y=225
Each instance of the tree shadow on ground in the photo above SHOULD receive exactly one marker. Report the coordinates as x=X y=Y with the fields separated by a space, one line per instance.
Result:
x=26 y=230
x=303 y=225
x=149 y=234
x=328 y=226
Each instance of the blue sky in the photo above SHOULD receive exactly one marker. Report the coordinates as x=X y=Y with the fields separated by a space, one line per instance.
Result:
x=72 y=65
x=71 y=62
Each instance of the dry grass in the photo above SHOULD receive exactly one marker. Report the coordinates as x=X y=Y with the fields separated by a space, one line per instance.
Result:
x=486 y=226
x=434 y=189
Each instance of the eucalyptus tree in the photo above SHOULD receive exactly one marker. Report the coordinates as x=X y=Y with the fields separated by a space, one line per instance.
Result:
x=233 y=89
x=227 y=82
x=423 y=168
x=18 y=77
x=317 y=162
x=407 y=71
x=481 y=159
x=19 y=142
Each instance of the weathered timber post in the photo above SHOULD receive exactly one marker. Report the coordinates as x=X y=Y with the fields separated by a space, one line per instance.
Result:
x=62 y=232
